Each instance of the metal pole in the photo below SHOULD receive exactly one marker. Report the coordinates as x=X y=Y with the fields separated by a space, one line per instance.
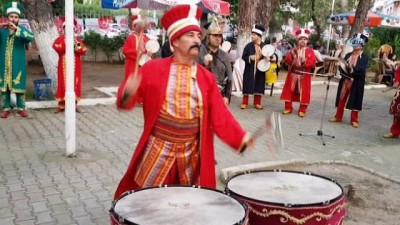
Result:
x=330 y=29
x=70 y=114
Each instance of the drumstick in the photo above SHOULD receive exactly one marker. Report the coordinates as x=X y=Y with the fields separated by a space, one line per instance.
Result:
x=319 y=74
x=273 y=124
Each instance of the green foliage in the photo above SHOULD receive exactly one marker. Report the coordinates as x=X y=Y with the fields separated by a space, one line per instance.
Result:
x=234 y=12
x=371 y=49
x=110 y=46
x=388 y=36
x=92 y=40
x=94 y=11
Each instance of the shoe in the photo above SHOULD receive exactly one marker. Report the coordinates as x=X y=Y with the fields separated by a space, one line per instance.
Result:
x=334 y=119
x=302 y=114
x=78 y=110
x=59 y=110
x=286 y=111
x=390 y=135
x=259 y=107
x=23 y=113
x=243 y=106
x=355 y=124
x=5 y=114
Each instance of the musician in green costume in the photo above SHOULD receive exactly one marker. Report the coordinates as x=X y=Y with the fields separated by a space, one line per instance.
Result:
x=13 y=41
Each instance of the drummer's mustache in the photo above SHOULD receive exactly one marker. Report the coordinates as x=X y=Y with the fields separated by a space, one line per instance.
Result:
x=195 y=46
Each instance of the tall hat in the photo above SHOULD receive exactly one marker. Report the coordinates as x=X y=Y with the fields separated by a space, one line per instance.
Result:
x=136 y=17
x=215 y=26
x=258 y=29
x=63 y=21
x=358 y=40
x=305 y=33
x=13 y=7
x=181 y=19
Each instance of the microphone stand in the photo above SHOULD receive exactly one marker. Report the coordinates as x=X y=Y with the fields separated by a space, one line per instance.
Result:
x=320 y=133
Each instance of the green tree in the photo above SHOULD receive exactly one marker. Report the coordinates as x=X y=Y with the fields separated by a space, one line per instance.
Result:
x=109 y=46
x=360 y=16
x=93 y=41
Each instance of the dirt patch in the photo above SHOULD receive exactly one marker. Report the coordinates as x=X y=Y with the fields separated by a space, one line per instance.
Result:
x=371 y=199
x=93 y=75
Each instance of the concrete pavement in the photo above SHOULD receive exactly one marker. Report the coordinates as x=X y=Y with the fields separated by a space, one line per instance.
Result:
x=38 y=185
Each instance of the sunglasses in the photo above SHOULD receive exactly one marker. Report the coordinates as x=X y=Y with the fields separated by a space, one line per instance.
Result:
x=217 y=35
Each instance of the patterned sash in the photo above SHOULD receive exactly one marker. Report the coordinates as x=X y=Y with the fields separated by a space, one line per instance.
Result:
x=176 y=130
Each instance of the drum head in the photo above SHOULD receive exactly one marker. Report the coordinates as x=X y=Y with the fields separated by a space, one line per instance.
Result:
x=285 y=188
x=268 y=50
x=152 y=46
x=263 y=65
x=226 y=46
x=180 y=205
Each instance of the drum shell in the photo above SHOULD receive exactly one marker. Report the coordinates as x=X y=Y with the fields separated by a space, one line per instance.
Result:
x=116 y=219
x=261 y=212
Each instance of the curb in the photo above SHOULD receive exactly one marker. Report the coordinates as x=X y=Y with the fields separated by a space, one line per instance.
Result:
x=110 y=91
x=229 y=172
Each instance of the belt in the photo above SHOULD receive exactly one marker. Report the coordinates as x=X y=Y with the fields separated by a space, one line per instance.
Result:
x=176 y=130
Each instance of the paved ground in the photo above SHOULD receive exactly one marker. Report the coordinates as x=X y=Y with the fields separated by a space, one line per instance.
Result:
x=38 y=185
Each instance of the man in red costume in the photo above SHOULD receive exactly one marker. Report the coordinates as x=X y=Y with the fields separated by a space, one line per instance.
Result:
x=133 y=43
x=79 y=49
x=297 y=88
x=182 y=108
x=395 y=108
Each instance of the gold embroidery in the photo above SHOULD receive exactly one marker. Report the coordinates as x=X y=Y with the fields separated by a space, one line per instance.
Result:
x=286 y=216
x=18 y=31
x=8 y=62
x=17 y=80
x=27 y=34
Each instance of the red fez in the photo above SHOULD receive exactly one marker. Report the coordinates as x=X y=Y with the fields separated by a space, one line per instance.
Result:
x=302 y=33
x=181 y=19
x=137 y=19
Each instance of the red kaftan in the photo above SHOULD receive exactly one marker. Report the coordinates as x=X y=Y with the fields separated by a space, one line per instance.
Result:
x=215 y=117
x=301 y=91
x=130 y=51
x=79 y=49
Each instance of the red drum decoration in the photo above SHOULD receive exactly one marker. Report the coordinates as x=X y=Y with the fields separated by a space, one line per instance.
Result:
x=289 y=197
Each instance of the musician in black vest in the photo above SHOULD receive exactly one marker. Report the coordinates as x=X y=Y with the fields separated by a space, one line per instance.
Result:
x=350 y=91
x=253 y=79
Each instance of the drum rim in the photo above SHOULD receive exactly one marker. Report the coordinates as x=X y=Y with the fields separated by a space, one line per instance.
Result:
x=126 y=193
x=282 y=204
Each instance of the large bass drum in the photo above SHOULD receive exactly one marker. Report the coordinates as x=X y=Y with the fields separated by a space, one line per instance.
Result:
x=289 y=197
x=178 y=205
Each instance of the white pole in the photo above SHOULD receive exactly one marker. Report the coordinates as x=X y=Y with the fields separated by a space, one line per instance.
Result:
x=70 y=114
x=330 y=29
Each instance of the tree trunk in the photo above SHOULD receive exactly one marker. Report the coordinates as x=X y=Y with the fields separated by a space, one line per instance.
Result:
x=40 y=16
x=360 y=16
x=315 y=19
x=251 y=12
x=265 y=11
x=346 y=28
